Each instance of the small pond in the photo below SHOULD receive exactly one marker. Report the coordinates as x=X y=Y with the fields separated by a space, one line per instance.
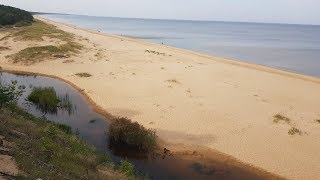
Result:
x=92 y=126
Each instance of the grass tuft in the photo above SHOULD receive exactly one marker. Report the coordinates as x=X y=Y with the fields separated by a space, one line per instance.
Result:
x=45 y=98
x=279 y=117
x=127 y=168
x=294 y=131
x=155 y=52
x=83 y=74
x=173 y=81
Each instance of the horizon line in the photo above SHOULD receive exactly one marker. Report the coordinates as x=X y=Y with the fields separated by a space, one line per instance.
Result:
x=253 y=22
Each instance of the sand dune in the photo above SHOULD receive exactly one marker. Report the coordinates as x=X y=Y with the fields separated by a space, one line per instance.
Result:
x=197 y=99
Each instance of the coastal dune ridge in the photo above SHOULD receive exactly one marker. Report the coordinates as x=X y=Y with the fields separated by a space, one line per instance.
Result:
x=194 y=99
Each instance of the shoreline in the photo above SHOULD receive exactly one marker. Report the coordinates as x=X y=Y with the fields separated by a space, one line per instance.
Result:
x=231 y=61
x=228 y=72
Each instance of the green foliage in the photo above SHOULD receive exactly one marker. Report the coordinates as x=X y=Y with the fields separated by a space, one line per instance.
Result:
x=127 y=168
x=107 y=161
x=65 y=128
x=45 y=98
x=123 y=132
x=48 y=152
x=10 y=93
x=11 y=16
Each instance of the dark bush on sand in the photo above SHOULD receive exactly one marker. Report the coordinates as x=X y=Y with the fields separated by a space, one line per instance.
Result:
x=125 y=133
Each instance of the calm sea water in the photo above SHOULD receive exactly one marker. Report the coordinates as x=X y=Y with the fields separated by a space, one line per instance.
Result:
x=289 y=47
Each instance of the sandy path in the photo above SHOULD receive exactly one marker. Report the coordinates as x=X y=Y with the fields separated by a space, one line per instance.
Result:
x=193 y=98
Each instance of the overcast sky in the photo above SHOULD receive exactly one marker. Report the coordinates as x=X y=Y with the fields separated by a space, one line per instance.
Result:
x=278 y=11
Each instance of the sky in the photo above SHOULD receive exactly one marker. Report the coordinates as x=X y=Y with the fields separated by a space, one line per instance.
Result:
x=269 y=11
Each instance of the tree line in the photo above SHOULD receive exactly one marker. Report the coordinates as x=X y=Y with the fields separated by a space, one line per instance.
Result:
x=14 y=16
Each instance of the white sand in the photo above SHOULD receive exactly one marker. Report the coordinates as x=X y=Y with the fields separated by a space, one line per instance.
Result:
x=197 y=99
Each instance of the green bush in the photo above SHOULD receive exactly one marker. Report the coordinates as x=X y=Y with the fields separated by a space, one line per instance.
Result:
x=47 y=152
x=45 y=98
x=11 y=16
x=124 y=133
x=10 y=93
x=126 y=168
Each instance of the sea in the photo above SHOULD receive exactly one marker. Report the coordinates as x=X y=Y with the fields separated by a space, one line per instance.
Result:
x=290 y=47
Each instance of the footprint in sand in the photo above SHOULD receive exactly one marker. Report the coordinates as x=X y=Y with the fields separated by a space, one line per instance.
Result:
x=188 y=92
x=259 y=98
x=172 y=83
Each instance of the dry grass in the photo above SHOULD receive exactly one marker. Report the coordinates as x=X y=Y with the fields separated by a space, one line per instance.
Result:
x=294 y=131
x=279 y=117
x=83 y=74
x=155 y=52
x=33 y=55
x=38 y=30
x=36 y=54
x=173 y=81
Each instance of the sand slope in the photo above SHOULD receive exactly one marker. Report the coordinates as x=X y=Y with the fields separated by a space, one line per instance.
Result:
x=193 y=98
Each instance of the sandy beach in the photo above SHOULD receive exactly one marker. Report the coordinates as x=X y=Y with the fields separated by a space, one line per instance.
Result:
x=194 y=99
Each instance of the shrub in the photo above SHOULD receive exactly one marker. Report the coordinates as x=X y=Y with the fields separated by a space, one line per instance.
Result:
x=45 y=98
x=126 y=168
x=124 y=133
x=10 y=93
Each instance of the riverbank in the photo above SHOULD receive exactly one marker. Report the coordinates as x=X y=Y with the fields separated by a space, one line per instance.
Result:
x=193 y=99
x=34 y=148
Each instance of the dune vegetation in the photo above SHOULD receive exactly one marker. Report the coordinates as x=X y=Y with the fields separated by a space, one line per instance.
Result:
x=37 y=32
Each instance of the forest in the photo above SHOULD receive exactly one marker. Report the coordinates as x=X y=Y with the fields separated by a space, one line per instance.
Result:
x=10 y=16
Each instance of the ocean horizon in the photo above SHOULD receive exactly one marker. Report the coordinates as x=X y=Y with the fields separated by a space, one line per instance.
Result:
x=290 y=47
